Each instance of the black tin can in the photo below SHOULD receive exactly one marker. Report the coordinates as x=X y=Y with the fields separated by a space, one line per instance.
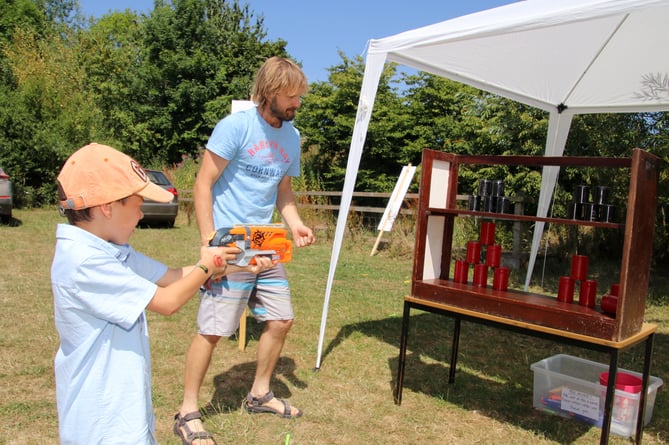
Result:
x=475 y=203
x=581 y=194
x=600 y=195
x=503 y=204
x=498 y=187
x=485 y=187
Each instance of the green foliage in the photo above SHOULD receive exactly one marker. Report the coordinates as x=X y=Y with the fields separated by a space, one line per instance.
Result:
x=326 y=121
x=197 y=55
x=17 y=14
x=183 y=174
x=45 y=114
x=153 y=86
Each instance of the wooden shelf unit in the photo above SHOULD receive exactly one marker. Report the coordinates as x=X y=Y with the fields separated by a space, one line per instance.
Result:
x=434 y=235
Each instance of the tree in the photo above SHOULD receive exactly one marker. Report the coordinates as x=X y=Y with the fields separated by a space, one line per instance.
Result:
x=44 y=106
x=326 y=122
x=197 y=56
x=15 y=14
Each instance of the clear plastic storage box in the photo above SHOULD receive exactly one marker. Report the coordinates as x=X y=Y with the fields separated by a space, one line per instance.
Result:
x=570 y=387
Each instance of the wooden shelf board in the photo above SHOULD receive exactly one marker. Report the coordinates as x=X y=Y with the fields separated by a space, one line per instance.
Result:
x=518 y=305
x=513 y=217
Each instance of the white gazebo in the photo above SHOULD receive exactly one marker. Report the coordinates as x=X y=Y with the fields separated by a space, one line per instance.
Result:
x=564 y=56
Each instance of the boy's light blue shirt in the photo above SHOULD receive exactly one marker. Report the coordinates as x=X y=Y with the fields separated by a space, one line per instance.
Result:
x=103 y=364
x=260 y=156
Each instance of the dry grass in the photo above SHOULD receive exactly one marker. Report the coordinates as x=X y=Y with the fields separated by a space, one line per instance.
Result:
x=350 y=399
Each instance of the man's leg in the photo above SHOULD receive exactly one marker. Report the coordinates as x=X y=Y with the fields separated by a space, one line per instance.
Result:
x=198 y=358
x=270 y=346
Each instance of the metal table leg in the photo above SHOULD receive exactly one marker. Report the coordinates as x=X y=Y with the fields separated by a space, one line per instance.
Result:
x=403 y=352
x=454 y=350
x=640 y=421
x=610 y=394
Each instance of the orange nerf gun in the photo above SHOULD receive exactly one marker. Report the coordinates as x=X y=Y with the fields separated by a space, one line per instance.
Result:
x=267 y=240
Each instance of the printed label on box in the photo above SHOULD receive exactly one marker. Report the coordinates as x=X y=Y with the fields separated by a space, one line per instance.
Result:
x=580 y=403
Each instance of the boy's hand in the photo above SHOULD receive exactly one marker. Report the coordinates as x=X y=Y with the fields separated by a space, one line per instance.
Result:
x=216 y=258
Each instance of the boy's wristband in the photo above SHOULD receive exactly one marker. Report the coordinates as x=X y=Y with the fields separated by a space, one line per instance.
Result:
x=204 y=268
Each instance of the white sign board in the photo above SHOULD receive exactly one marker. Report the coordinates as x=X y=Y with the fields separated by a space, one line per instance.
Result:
x=239 y=105
x=396 y=199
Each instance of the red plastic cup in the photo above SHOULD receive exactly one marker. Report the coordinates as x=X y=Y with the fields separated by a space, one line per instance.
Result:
x=500 y=278
x=487 y=236
x=566 y=289
x=480 y=275
x=615 y=290
x=609 y=304
x=473 y=252
x=579 y=267
x=461 y=272
x=493 y=255
x=624 y=382
x=588 y=293
x=624 y=409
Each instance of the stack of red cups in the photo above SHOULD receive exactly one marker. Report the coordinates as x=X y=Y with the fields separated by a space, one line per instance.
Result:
x=493 y=256
x=588 y=288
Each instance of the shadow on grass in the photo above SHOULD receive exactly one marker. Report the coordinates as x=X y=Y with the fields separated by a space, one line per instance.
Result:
x=493 y=370
x=232 y=386
x=11 y=222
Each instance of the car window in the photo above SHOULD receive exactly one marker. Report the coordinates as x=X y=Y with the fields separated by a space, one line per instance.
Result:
x=157 y=177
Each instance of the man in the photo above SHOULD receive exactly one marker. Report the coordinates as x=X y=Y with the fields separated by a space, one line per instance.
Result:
x=245 y=173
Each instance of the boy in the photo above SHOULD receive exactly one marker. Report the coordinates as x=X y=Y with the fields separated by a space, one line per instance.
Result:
x=101 y=288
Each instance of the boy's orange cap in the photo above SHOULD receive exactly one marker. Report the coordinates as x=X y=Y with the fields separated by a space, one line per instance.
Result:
x=97 y=174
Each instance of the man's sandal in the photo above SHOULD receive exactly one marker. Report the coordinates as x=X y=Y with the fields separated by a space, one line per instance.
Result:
x=255 y=405
x=181 y=427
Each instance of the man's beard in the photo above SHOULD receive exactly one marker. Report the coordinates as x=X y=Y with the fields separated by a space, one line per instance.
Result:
x=283 y=115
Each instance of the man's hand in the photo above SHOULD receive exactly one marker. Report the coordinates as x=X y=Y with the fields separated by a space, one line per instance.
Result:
x=302 y=236
x=261 y=263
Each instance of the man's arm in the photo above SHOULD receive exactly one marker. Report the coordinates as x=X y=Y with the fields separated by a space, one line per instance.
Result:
x=211 y=168
x=285 y=202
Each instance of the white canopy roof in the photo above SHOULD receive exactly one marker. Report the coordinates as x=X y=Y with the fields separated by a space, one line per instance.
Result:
x=594 y=56
x=563 y=56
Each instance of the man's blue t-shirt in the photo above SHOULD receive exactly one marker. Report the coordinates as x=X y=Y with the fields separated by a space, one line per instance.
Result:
x=260 y=156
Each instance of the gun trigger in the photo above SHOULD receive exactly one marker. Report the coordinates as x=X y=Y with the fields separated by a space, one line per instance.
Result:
x=211 y=236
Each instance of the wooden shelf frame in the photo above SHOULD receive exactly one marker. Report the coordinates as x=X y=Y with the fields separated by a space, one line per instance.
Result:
x=435 y=225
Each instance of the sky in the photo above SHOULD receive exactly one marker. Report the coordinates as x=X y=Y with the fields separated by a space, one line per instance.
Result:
x=316 y=30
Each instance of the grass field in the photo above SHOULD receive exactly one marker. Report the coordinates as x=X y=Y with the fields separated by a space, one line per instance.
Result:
x=350 y=399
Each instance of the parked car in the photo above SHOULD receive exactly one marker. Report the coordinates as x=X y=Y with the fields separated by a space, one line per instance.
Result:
x=158 y=213
x=6 y=197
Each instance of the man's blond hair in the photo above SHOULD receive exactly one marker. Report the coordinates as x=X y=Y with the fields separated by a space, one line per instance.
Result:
x=278 y=76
